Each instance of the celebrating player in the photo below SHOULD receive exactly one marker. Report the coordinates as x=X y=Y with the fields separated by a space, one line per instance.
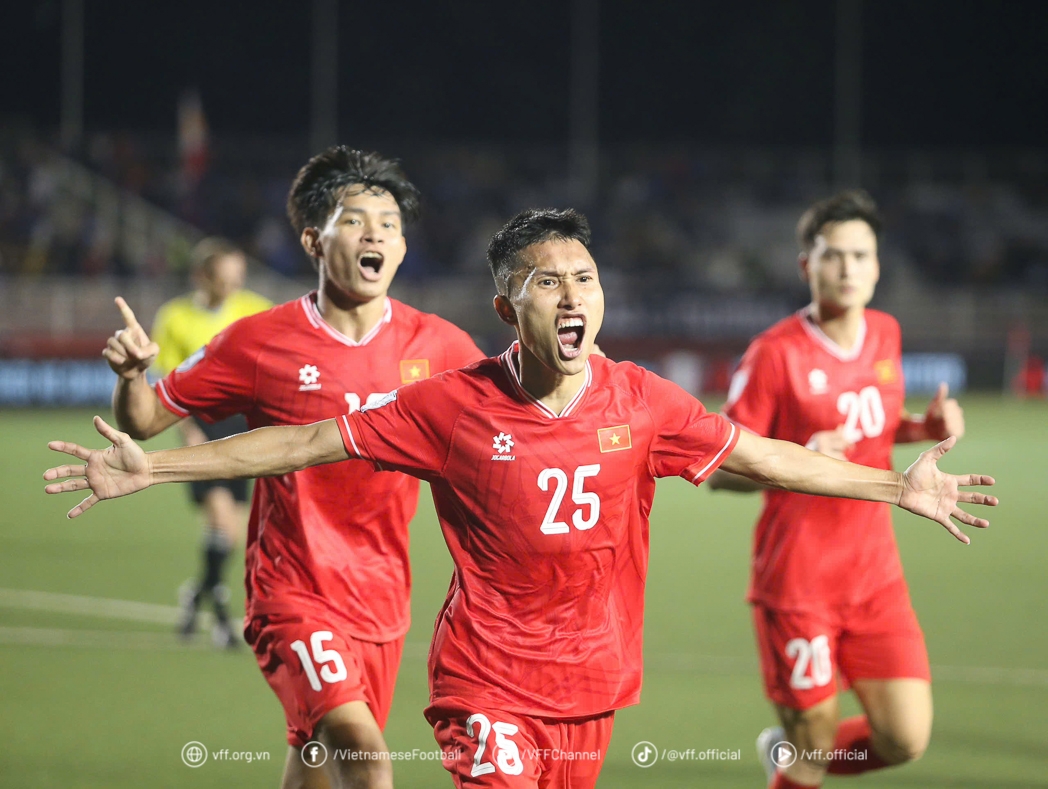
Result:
x=543 y=464
x=327 y=576
x=827 y=587
x=181 y=327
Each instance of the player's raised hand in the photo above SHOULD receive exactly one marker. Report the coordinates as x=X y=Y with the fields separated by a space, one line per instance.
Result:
x=116 y=471
x=944 y=417
x=130 y=352
x=932 y=494
x=830 y=442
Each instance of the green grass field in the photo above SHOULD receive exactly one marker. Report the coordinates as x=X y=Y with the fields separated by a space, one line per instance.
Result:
x=95 y=701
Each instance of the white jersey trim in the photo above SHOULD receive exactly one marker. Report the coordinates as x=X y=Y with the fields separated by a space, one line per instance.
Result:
x=318 y=322
x=168 y=401
x=708 y=466
x=831 y=347
x=510 y=367
x=353 y=441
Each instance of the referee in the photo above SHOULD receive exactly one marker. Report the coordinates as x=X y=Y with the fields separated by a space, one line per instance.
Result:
x=183 y=326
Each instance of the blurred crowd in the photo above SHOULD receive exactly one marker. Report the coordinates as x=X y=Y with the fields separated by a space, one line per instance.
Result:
x=663 y=218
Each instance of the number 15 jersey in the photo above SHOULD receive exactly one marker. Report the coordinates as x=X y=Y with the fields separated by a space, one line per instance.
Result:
x=546 y=518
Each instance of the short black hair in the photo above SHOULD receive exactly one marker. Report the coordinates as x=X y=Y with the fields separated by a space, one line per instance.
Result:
x=321 y=183
x=842 y=207
x=528 y=228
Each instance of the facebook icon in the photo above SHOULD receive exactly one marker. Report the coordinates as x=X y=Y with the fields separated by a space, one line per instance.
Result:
x=314 y=754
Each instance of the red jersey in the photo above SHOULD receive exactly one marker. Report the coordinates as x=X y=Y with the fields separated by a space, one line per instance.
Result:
x=810 y=551
x=546 y=518
x=336 y=534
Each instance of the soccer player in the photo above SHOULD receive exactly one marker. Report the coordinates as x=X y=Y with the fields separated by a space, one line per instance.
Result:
x=827 y=588
x=542 y=463
x=181 y=327
x=327 y=574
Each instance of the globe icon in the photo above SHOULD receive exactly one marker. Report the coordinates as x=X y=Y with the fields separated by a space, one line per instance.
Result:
x=194 y=754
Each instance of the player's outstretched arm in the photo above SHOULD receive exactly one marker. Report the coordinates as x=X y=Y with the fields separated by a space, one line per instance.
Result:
x=123 y=468
x=130 y=353
x=922 y=489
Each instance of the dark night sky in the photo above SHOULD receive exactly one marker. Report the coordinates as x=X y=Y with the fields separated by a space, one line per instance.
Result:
x=934 y=73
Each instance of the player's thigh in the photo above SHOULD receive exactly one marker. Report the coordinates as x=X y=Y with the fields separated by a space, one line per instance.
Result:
x=900 y=714
x=353 y=741
x=798 y=657
x=488 y=749
x=313 y=668
x=297 y=775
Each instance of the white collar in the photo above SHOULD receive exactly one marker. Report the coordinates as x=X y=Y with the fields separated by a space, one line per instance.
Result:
x=509 y=364
x=315 y=318
x=817 y=334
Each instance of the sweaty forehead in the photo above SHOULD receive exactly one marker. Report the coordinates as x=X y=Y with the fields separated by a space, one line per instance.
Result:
x=561 y=255
x=365 y=197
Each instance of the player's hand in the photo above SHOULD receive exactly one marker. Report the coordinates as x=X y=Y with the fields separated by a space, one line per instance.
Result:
x=130 y=352
x=944 y=417
x=830 y=442
x=116 y=471
x=929 y=492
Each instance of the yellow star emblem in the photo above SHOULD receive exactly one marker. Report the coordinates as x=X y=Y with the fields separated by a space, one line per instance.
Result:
x=615 y=438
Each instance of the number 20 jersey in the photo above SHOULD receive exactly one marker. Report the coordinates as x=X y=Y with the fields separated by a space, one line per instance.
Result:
x=812 y=552
x=546 y=518
x=332 y=536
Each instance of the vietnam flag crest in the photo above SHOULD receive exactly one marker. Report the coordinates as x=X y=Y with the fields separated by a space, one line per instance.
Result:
x=612 y=439
x=412 y=370
x=886 y=371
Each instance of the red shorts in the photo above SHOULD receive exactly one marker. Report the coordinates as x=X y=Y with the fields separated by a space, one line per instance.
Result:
x=500 y=750
x=313 y=667
x=808 y=656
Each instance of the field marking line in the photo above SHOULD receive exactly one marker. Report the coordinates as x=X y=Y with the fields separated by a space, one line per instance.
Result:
x=105 y=607
x=96 y=639
x=54 y=602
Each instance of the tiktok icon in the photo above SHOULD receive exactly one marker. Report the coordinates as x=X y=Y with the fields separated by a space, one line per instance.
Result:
x=314 y=754
x=644 y=754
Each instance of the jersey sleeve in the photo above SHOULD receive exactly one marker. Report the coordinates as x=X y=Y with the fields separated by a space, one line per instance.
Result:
x=170 y=355
x=408 y=430
x=688 y=441
x=755 y=390
x=217 y=381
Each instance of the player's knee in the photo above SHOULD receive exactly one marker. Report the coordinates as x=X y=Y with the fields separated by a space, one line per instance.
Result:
x=898 y=747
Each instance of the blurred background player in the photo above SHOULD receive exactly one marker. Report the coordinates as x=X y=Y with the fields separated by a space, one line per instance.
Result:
x=827 y=586
x=328 y=579
x=182 y=327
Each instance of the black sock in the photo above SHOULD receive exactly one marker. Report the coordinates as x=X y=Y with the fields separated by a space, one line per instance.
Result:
x=216 y=551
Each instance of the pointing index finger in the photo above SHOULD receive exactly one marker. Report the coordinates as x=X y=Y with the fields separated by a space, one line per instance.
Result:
x=127 y=313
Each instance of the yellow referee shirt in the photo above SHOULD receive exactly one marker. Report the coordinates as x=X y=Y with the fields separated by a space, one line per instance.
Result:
x=182 y=326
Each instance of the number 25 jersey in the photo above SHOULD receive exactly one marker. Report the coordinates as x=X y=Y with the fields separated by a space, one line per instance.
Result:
x=546 y=518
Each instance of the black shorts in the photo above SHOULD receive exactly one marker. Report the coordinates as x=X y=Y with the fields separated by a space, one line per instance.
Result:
x=224 y=429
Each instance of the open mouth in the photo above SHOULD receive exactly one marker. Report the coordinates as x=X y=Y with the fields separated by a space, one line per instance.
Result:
x=570 y=331
x=370 y=264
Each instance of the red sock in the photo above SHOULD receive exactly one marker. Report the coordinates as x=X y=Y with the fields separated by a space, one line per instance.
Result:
x=853 y=738
x=782 y=782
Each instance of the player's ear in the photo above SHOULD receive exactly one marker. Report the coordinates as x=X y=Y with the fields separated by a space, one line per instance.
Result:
x=504 y=308
x=310 y=240
x=802 y=266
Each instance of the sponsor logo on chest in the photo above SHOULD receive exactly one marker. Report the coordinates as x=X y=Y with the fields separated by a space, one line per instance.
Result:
x=503 y=445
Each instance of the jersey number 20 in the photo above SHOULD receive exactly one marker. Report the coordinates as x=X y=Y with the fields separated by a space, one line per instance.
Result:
x=863 y=413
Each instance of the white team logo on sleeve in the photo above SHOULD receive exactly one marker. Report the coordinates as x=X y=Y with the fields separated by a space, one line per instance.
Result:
x=309 y=375
x=503 y=445
x=384 y=400
x=738 y=385
x=191 y=361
